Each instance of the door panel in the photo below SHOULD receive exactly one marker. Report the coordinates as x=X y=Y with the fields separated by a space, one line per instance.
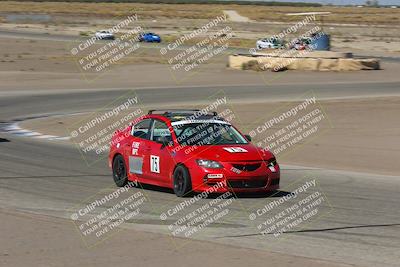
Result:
x=160 y=160
x=161 y=163
x=137 y=151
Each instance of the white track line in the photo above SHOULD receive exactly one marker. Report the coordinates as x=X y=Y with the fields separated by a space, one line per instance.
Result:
x=15 y=129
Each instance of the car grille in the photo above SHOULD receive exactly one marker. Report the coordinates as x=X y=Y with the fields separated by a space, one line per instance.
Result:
x=247 y=183
x=247 y=167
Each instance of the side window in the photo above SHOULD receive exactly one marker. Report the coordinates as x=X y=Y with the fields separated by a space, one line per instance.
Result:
x=141 y=129
x=160 y=129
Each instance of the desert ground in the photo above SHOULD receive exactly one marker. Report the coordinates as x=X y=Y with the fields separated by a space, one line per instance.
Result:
x=44 y=92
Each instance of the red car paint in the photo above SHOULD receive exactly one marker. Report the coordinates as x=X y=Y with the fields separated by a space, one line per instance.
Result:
x=239 y=173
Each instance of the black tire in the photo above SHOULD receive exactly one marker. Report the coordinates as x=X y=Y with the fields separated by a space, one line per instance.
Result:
x=119 y=171
x=182 y=181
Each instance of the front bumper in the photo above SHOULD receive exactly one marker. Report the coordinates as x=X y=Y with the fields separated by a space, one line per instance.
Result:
x=263 y=179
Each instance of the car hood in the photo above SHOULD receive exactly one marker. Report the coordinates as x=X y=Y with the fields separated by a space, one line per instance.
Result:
x=230 y=153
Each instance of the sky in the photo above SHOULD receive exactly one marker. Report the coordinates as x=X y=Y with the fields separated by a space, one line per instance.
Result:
x=342 y=2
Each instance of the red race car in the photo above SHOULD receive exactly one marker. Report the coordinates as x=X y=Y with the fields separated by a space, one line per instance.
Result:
x=187 y=150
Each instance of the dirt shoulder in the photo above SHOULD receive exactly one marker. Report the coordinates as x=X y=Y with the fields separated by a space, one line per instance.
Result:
x=127 y=248
x=42 y=64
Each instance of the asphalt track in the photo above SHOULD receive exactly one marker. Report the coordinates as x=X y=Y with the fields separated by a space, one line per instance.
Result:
x=359 y=220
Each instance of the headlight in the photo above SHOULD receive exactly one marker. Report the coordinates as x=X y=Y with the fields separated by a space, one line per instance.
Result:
x=209 y=164
x=271 y=163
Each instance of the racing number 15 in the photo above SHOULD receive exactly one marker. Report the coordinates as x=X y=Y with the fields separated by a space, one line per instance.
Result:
x=155 y=164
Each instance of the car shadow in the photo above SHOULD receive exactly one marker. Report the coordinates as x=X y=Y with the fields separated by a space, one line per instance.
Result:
x=155 y=188
x=3 y=140
x=276 y=193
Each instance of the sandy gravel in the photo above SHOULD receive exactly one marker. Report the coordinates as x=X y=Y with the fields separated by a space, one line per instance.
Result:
x=42 y=64
x=363 y=136
x=235 y=16
x=128 y=248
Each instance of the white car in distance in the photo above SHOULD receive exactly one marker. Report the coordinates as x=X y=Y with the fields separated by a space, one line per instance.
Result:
x=104 y=35
x=266 y=43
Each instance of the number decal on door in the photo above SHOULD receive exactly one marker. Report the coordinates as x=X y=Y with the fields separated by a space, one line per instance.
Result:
x=155 y=164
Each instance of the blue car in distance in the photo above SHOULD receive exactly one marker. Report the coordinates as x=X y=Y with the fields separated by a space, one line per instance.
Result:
x=150 y=37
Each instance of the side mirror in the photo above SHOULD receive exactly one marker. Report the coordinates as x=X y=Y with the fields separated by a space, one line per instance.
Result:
x=248 y=137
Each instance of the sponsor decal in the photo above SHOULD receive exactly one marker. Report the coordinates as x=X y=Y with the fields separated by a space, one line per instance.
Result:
x=235 y=149
x=135 y=148
x=215 y=176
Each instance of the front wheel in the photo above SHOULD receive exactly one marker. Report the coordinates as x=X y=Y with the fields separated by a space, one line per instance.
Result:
x=182 y=181
x=119 y=171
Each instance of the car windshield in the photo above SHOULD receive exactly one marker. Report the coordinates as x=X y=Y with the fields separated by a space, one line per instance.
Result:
x=200 y=134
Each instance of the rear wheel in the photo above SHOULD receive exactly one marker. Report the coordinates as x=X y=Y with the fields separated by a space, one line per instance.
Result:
x=119 y=171
x=182 y=181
